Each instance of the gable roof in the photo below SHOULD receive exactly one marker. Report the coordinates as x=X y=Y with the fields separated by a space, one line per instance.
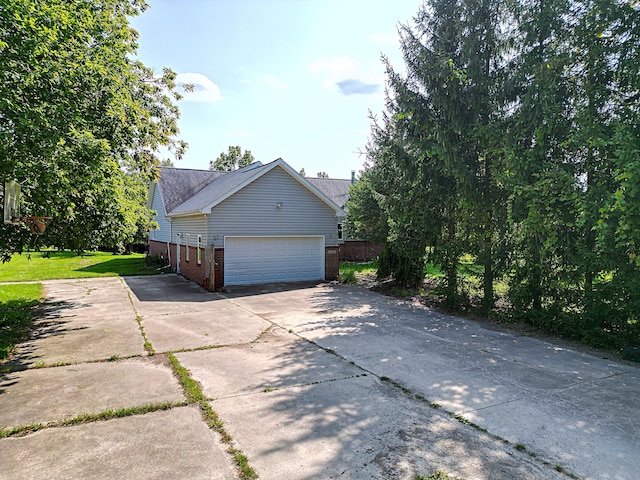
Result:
x=337 y=189
x=204 y=189
x=215 y=192
x=177 y=185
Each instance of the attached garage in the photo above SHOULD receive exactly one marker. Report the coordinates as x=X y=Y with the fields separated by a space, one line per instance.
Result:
x=251 y=260
x=258 y=224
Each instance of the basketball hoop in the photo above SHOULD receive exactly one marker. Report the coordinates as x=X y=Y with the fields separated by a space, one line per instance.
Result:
x=37 y=225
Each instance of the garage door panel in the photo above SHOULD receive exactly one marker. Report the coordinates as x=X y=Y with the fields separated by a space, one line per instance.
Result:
x=250 y=260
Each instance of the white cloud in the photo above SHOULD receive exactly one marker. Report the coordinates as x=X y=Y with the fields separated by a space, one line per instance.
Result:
x=335 y=69
x=204 y=89
x=341 y=72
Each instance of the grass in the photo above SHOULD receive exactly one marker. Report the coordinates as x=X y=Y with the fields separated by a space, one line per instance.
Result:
x=91 y=417
x=348 y=269
x=49 y=265
x=195 y=395
x=16 y=306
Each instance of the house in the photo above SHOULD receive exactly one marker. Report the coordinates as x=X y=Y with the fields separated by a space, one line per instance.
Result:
x=258 y=224
x=351 y=250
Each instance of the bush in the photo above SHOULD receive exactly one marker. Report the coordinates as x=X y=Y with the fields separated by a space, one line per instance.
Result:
x=348 y=277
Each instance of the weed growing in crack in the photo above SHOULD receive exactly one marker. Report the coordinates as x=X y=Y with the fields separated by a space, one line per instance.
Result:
x=92 y=417
x=195 y=396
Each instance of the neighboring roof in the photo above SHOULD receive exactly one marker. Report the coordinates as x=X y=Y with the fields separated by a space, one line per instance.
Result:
x=337 y=189
x=179 y=184
x=188 y=192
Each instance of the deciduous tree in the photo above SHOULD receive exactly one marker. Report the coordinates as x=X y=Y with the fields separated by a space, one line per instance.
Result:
x=232 y=160
x=78 y=112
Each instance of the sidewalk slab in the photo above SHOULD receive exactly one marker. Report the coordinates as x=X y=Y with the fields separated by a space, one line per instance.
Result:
x=163 y=445
x=224 y=324
x=358 y=428
x=592 y=417
x=53 y=394
x=74 y=326
x=278 y=360
x=566 y=406
x=169 y=294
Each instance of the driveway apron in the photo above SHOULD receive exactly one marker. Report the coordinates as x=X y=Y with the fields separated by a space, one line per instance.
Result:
x=310 y=382
x=81 y=399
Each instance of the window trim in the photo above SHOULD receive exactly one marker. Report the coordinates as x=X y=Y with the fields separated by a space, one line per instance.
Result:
x=340 y=232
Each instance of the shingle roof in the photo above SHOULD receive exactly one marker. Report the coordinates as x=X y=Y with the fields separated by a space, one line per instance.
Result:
x=187 y=191
x=219 y=188
x=336 y=189
x=180 y=184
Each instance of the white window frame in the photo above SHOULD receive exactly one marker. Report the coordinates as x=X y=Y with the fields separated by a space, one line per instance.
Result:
x=340 y=232
x=199 y=246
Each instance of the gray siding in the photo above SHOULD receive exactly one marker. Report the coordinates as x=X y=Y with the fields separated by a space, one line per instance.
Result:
x=252 y=211
x=163 y=234
x=192 y=225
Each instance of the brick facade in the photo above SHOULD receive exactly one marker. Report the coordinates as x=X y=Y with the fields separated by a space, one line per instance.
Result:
x=199 y=273
x=359 y=251
x=163 y=251
x=219 y=267
x=331 y=263
x=191 y=269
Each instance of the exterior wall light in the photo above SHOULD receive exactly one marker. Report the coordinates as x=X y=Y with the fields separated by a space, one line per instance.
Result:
x=278 y=204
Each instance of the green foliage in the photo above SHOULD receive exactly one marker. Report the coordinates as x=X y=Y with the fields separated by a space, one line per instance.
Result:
x=365 y=268
x=78 y=114
x=232 y=160
x=16 y=306
x=348 y=277
x=366 y=217
x=51 y=265
x=323 y=175
x=514 y=136
x=407 y=271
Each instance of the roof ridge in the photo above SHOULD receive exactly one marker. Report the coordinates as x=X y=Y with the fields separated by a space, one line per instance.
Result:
x=192 y=169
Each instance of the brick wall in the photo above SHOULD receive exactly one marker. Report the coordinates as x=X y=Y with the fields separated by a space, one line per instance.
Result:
x=198 y=272
x=359 y=251
x=219 y=267
x=191 y=269
x=160 y=249
x=194 y=271
x=331 y=263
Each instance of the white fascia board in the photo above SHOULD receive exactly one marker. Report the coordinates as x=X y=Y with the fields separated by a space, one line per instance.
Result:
x=314 y=190
x=285 y=166
x=150 y=193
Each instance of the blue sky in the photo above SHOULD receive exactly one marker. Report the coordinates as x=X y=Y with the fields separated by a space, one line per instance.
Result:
x=283 y=78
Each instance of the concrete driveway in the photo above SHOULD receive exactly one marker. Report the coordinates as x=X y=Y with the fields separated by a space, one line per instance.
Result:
x=310 y=381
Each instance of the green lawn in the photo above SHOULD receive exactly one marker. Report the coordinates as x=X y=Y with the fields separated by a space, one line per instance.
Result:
x=34 y=266
x=16 y=305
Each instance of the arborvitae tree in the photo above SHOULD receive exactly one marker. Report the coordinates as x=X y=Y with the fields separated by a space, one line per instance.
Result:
x=439 y=136
x=540 y=174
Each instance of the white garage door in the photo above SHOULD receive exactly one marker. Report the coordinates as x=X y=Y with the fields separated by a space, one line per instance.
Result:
x=250 y=260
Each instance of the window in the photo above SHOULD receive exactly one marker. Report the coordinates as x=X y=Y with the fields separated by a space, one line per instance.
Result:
x=199 y=253
x=340 y=231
